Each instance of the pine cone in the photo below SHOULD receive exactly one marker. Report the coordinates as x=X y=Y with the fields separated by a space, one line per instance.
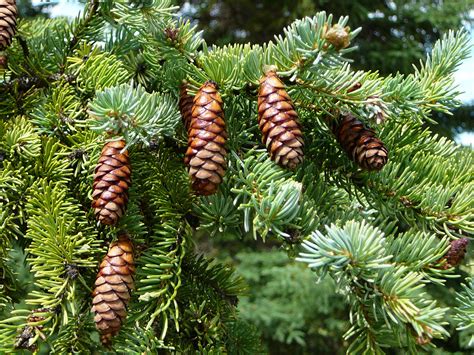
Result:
x=456 y=252
x=360 y=143
x=185 y=105
x=112 y=288
x=8 y=13
x=206 y=139
x=278 y=121
x=111 y=182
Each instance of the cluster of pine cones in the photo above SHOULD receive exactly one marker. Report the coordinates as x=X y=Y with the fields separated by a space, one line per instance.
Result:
x=112 y=180
x=203 y=118
x=114 y=281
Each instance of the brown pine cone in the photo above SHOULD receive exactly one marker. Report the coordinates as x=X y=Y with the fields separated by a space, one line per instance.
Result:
x=206 y=141
x=111 y=182
x=278 y=122
x=112 y=288
x=8 y=13
x=185 y=105
x=360 y=143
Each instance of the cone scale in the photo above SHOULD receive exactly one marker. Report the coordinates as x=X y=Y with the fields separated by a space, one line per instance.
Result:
x=207 y=136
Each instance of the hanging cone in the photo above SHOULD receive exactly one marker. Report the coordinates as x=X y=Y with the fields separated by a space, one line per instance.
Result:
x=185 y=105
x=206 y=141
x=278 y=122
x=8 y=13
x=112 y=288
x=111 y=182
x=360 y=143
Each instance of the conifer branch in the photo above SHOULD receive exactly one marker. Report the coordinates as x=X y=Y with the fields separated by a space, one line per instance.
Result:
x=81 y=28
x=355 y=255
x=115 y=72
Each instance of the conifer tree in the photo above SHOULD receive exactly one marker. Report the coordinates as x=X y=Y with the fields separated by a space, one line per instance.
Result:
x=386 y=235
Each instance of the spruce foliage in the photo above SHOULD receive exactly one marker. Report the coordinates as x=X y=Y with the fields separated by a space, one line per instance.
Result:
x=116 y=70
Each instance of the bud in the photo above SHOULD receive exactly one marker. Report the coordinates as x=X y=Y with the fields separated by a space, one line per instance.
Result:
x=456 y=252
x=377 y=109
x=338 y=36
x=172 y=34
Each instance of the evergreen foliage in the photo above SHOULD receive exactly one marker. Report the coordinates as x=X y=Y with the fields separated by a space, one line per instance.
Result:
x=116 y=71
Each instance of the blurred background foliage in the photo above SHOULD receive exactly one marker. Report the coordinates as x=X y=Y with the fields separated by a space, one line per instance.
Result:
x=27 y=9
x=462 y=120
x=292 y=313
x=300 y=316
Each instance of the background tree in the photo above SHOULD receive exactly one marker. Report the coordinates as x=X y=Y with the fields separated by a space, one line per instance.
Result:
x=461 y=120
x=388 y=246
